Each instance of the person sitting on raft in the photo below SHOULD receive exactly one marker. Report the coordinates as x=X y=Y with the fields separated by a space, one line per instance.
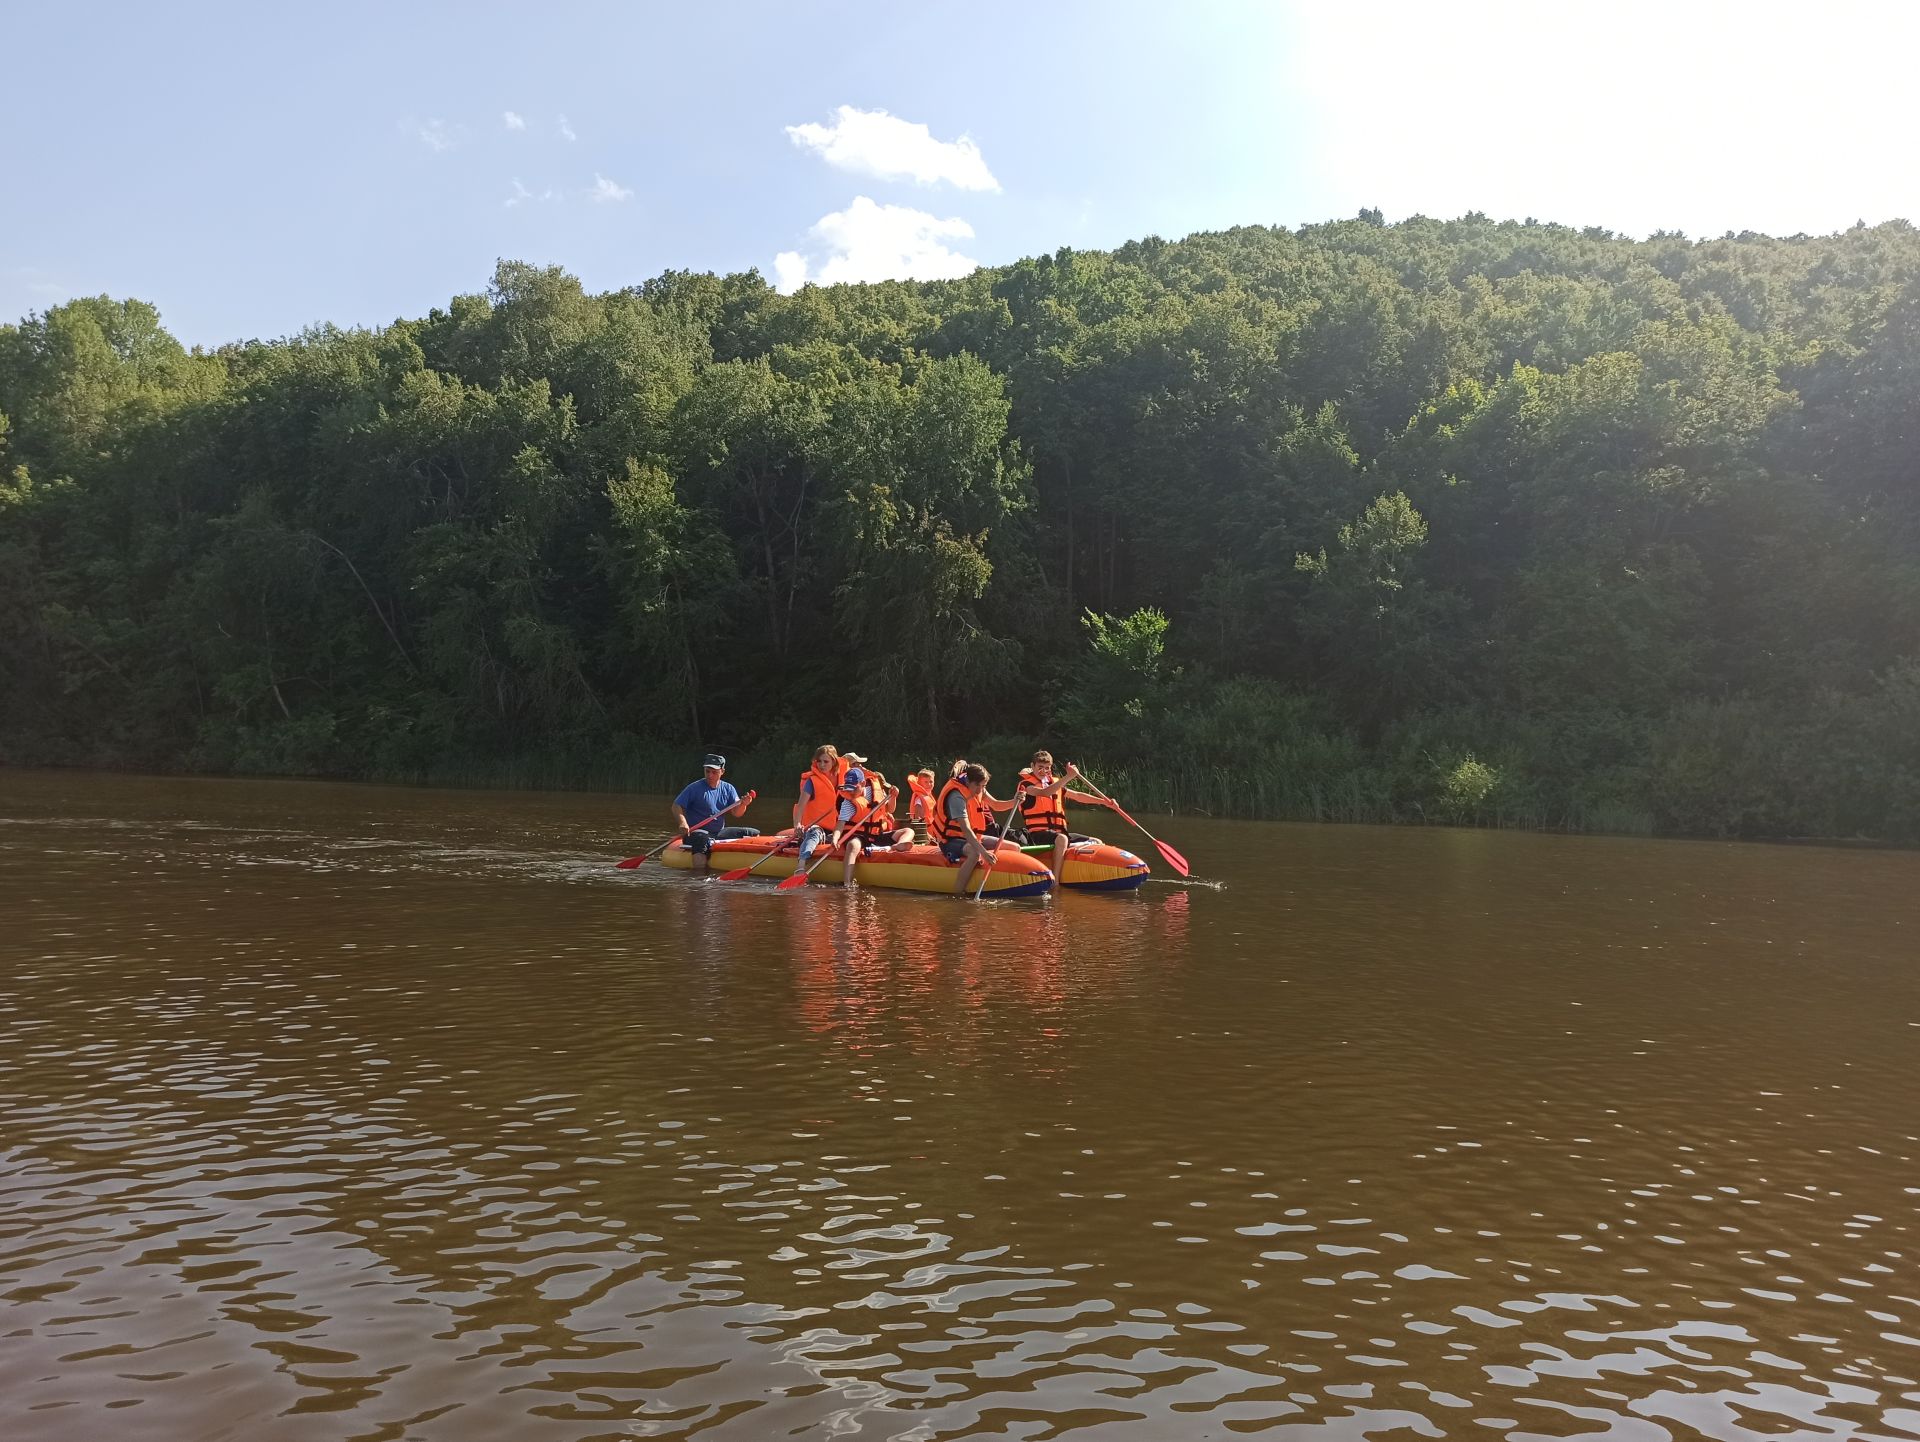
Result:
x=988 y=800
x=1043 y=813
x=816 y=815
x=920 y=806
x=856 y=810
x=881 y=830
x=702 y=808
x=962 y=819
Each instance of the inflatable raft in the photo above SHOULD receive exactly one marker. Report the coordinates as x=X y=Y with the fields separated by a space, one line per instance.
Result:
x=1096 y=866
x=920 y=868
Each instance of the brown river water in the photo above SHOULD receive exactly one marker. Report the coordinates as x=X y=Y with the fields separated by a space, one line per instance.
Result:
x=336 y=1112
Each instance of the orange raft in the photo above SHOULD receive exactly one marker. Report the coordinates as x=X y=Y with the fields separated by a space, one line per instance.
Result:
x=919 y=868
x=1096 y=866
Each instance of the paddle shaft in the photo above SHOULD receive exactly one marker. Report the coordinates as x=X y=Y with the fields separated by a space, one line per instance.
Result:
x=800 y=878
x=1174 y=858
x=743 y=872
x=986 y=865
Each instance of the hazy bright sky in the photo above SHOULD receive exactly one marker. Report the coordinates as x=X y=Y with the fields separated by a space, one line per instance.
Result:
x=254 y=168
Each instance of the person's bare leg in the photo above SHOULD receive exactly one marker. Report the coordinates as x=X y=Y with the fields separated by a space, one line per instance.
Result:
x=968 y=863
x=851 y=860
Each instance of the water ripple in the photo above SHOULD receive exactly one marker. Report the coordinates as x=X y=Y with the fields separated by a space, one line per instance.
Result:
x=327 y=1112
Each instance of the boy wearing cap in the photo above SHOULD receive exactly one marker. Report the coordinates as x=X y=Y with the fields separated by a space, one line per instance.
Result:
x=854 y=807
x=702 y=808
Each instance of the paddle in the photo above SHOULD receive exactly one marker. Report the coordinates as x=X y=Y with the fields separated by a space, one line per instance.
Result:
x=633 y=861
x=799 y=878
x=1174 y=858
x=986 y=866
x=744 y=872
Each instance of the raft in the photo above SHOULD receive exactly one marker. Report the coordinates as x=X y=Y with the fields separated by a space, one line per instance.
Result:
x=921 y=868
x=1096 y=866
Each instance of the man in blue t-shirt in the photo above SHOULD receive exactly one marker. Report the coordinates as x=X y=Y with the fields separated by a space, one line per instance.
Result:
x=702 y=810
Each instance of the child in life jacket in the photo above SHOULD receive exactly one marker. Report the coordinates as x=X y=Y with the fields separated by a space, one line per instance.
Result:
x=1043 y=812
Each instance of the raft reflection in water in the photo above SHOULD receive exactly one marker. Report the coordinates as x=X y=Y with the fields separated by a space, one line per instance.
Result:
x=874 y=972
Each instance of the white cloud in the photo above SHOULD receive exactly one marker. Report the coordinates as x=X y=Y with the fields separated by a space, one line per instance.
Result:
x=514 y=122
x=36 y=282
x=605 y=190
x=436 y=135
x=868 y=241
x=789 y=271
x=872 y=142
x=521 y=195
x=566 y=130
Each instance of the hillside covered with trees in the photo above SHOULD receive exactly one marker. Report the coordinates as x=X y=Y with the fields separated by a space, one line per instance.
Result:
x=1462 y=520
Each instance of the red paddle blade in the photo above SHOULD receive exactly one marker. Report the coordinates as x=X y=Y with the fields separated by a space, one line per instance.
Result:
x=799 y=878
x=629 y=863
x=740 y=875
x=1174 y=858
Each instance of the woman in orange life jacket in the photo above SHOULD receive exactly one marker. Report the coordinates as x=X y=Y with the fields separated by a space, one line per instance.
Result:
x=816 y=815
x=870 y=794
x=962 y=819
x=1042 y=808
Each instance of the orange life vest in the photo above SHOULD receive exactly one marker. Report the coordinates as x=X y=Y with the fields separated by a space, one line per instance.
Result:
x=879 y=823
x=920 y=791
x=981 y=814
x=822 y=808
x=1041 y=815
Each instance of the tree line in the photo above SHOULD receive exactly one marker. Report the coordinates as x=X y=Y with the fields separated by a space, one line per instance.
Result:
x=1462 y=520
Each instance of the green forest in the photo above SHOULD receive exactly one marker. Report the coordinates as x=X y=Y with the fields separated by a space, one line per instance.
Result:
x=1468 y=521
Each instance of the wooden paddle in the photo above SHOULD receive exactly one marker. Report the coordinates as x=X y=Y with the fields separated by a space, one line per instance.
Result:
x=1174 y=858
x=633 y=861
x=800 y=878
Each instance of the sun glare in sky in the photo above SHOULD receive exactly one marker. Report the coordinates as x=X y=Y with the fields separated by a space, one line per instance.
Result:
x=288 y=172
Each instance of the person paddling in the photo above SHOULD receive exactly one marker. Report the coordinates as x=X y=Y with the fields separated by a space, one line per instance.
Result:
x=857 y=802
x=989 y=803
x=816 y=815
x=701 y=810
x=881 y=830
x=1043 y=813
x=962 y=817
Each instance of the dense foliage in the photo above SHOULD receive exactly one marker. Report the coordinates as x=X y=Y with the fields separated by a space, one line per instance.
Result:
x=1463 y=520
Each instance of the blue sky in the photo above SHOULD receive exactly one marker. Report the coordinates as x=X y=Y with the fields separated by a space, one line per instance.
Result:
x=252 y=169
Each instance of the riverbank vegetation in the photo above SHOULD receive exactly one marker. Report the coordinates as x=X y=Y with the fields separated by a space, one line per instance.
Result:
x=1449 y=520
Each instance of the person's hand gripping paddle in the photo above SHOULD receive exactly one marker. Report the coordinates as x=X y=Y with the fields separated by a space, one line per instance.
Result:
x=986 y=865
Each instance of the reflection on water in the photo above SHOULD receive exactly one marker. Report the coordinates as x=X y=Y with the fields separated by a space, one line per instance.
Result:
x=344 y=1112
